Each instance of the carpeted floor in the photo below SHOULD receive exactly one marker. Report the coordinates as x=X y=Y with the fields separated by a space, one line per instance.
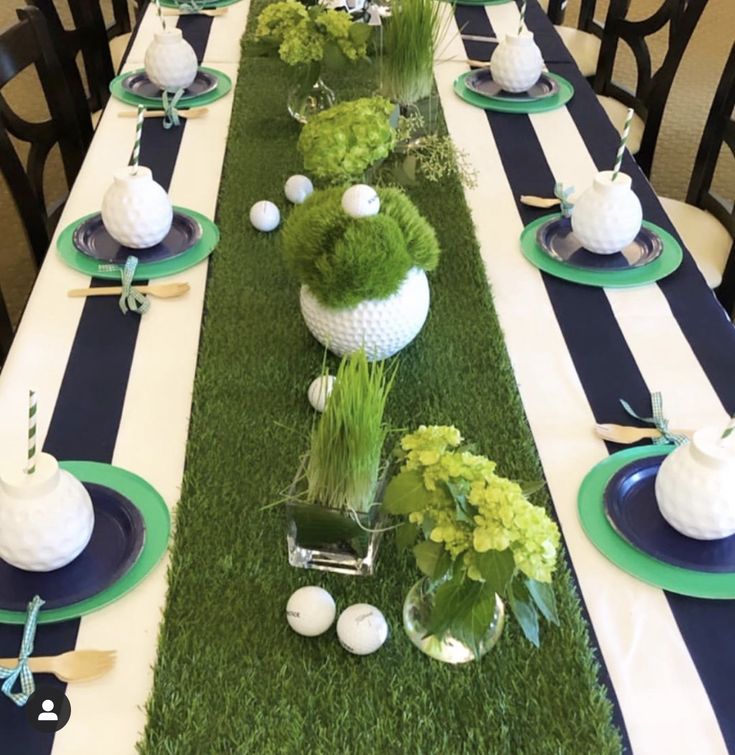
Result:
x=680 y=134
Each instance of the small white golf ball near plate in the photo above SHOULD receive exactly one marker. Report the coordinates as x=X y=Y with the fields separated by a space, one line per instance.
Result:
x=310 y=611
x=264 y=215
x=361 y=201
x=298 y=188
x=362 y=629
x=320 y=390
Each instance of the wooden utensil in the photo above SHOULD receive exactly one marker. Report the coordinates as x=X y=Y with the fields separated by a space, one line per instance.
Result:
x=213 y=12
x=159 y=290
x=74 y=666
x=192 y=112
x=476 y=38
x=478 y=63
x=543 y=202
x=627 y=434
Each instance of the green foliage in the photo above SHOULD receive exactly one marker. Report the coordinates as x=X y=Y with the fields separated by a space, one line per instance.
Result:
x=345 y=260
x=308 y=35
x=482 y=527
x=341 y=143
x=410 y=37
x=347 y=440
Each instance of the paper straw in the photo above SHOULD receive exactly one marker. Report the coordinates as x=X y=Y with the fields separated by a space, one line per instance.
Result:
x=623 y=142
x=522 y=19
x=138 y=134
x=160 y=14
x=31 y=432
x=729 y=430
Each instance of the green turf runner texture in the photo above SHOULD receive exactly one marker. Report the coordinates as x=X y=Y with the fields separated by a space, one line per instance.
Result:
x=231 y=676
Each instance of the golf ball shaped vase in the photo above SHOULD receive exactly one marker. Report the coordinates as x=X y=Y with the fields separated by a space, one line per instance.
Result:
x=608 y=215
x=136 y=211
x=46 y=518
x=516 y=63
x=170 y=61
x=382 y=326
x=695 y=486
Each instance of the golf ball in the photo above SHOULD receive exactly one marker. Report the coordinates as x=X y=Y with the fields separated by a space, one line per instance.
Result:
x=264 y=215
x=361 y=201
x=310 y=611
x=362 y=629
x=298 y=188
x=319 y=391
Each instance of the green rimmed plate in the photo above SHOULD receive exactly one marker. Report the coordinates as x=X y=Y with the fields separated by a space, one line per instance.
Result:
x=664 y=265
x=208 y=4
x=145 y=270
x=566 y=92
x=157 y=530
x=591 y=507
x=224 y=84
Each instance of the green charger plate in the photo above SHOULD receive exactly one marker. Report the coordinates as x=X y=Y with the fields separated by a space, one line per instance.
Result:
x=207 y=5
x=157 y=530
x=591 y=508
x=669 y=260
x=224 y=84
x=565 y=93
x=145 y=270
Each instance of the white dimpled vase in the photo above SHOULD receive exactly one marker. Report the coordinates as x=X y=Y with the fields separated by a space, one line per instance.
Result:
x=170 y=61
x=516 y=63
x=608 y=215
x=136 y=211
x=46 y=518
x=381 y=326
x=695 y=486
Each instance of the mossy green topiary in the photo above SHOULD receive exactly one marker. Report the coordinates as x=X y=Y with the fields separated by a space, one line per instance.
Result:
x=345 y=260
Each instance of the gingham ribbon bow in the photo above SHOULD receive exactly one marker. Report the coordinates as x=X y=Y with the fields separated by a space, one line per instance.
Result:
x=22 y=671
x=130 y=299
x=191 y=6
x=169 y=102
x=563 y=195
x=658 y=420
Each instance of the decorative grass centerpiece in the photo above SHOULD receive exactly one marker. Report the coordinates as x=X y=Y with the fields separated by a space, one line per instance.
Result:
x=363 y=279
x=480 y=542
x=341 y=143
x=334 y=511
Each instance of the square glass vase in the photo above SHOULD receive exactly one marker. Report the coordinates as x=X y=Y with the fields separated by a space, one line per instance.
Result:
x=328 y=539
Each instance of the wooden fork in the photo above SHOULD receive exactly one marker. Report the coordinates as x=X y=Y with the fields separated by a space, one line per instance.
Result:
x=74 y=666
x=159 y=290
x=192 y=112
x=629 y=434
x=213 y=12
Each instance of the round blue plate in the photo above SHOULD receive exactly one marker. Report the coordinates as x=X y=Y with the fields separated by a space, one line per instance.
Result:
x=558 y=241
x=483 y=83
x=631 y=509
x=92 y=239
x=139 y=84
x=116 y=543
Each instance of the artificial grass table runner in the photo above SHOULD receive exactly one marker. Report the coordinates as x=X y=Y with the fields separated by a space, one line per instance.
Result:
x=231 y=676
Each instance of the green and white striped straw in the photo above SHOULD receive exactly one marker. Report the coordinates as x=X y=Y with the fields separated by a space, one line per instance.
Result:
x=623 y=142
x=32 y=451
x=729 y=430
x=138 y=135
x=160 y=14
x=522 y=19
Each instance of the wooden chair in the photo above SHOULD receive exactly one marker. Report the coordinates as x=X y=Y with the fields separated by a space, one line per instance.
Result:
x=705 y=221
x=648 y=100
x=26 y=44
x=582 y=41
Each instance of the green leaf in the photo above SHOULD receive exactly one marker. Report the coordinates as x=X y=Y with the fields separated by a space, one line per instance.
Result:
x=360 y=34
x=406 y=493
x=497 y=569
x=529 y=487
x=459 y=489
x=472 y=626
x=432 y=559
x=544 y=598
x=524 y=609
x=333 y=57
x=452 y=602
x=406 y=535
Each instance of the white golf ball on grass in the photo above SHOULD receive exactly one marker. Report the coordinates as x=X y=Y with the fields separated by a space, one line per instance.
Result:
x=310 y=611
x=362 y=629
x=265 y=216
x=361 y=201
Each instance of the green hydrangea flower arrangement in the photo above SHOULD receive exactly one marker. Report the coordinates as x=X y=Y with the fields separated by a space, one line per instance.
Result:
x=306 y=35
x=339 y=144
x=479 y=535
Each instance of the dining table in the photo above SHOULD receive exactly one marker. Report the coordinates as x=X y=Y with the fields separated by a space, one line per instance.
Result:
x=118 y=389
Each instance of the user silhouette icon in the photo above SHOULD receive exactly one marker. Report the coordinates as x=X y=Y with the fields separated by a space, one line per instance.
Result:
x=48 y=711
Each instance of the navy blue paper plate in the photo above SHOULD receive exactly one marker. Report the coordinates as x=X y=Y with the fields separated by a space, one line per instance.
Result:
x=557 y=240
x=631 y=509
x=92 y=239
x=482 y=82
x=116 y=543
x=139 y=84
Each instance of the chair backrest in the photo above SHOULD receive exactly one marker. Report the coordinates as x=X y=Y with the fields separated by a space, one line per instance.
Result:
x=719 y=132
x=26 y=44
x=121 y=19
x=652 y=88
x=585 y=21
x=88 y=36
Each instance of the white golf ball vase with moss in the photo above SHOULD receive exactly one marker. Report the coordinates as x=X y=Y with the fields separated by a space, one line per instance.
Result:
x=363 y=280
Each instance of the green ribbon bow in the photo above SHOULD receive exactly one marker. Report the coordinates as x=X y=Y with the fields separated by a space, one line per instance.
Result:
x=171 y=117
x=563 y=195
x=191 y=6
x=130 y=299
x=658 y=420
x=22 y=671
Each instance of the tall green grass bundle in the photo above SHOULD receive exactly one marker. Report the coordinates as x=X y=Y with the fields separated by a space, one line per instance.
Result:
x=347 y=441
x=346 y=260
x=410 y=38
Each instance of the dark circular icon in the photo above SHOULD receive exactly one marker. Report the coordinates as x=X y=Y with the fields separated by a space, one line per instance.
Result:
x=48 y=709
